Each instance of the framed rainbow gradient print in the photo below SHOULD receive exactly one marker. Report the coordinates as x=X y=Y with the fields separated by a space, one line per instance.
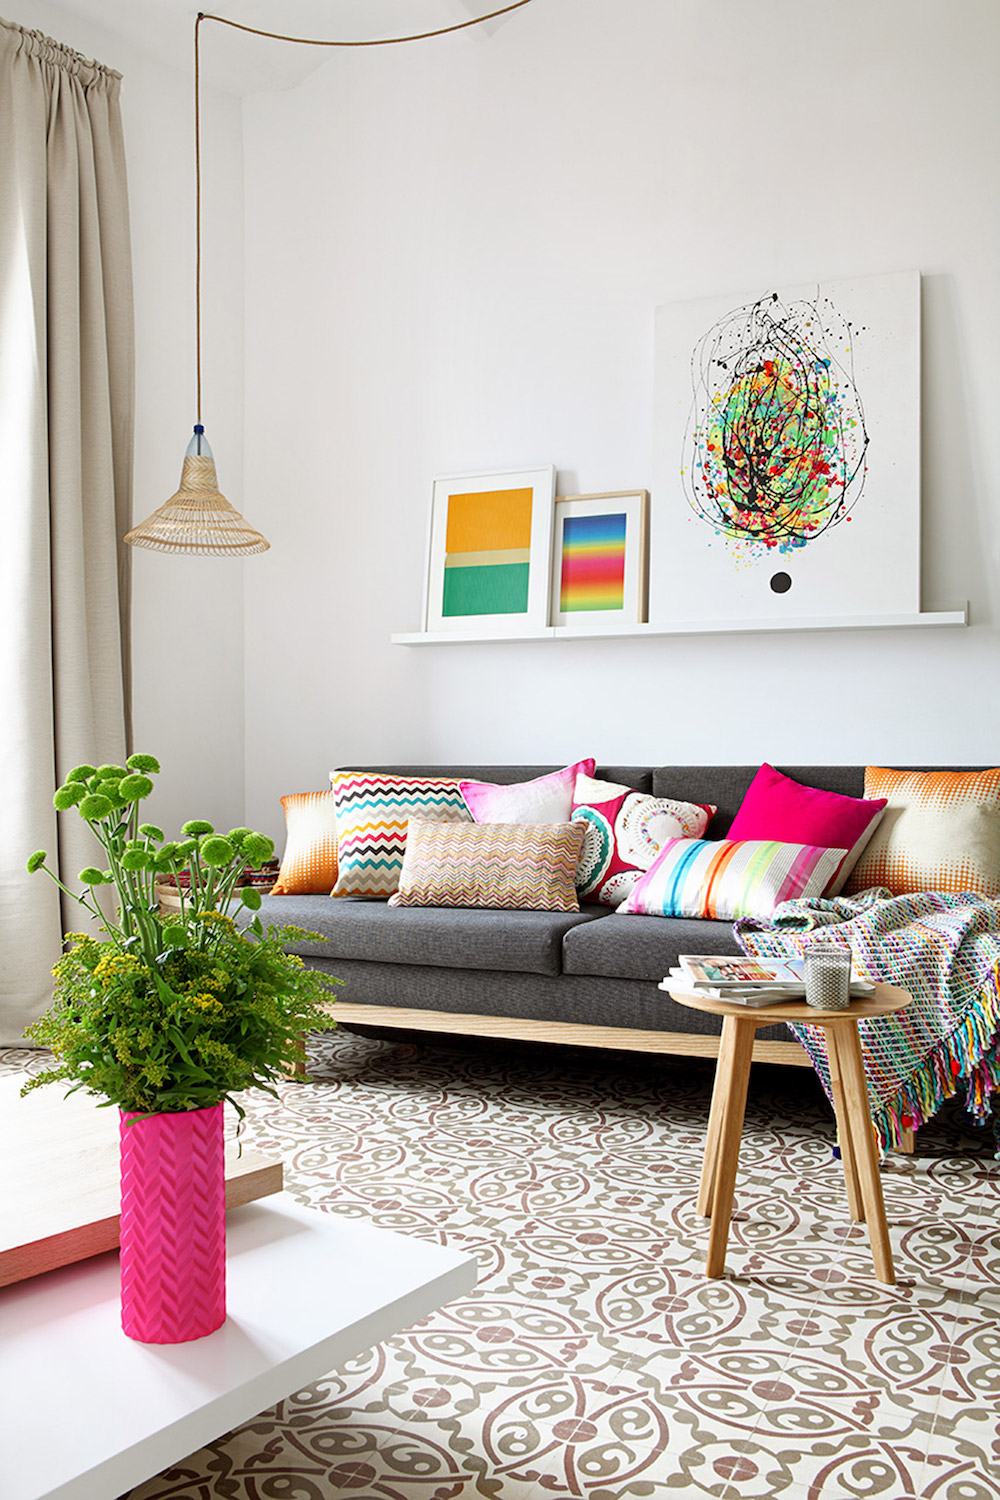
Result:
x=488 y=554
x=599 y=559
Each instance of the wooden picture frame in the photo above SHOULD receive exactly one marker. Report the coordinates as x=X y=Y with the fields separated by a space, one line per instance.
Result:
x=599 y=559
x=488 y=553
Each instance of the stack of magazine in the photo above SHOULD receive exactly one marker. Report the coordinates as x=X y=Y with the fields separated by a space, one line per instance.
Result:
x=745 y=981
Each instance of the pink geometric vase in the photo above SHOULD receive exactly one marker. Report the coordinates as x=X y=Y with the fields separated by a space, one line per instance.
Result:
x=173 y=1226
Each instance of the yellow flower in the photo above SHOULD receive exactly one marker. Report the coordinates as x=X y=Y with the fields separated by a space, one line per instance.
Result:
x=207 y=1004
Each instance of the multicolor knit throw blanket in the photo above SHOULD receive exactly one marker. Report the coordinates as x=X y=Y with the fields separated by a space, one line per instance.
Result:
x=945 y=950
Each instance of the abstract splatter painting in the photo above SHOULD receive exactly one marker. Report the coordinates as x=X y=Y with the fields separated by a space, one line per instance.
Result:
x=788 y=452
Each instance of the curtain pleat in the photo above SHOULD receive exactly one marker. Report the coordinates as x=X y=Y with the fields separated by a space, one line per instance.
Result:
x=66 y=418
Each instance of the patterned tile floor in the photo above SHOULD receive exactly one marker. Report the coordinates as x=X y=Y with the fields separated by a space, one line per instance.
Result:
x=594 y=1359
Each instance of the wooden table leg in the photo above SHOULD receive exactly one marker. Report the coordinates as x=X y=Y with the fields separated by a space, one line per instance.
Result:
x=733 y=1076
x=863 y=1146
x=720 y=1092
x=854 y=1203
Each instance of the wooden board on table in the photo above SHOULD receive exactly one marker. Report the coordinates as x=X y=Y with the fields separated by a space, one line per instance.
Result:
x=59 y=1178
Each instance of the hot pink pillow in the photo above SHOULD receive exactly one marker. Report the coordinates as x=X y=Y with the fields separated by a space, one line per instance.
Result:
x=776 y=807
x=547 y=799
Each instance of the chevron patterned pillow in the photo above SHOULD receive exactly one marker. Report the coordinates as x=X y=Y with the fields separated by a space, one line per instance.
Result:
x=372 y=813
x=529 y=866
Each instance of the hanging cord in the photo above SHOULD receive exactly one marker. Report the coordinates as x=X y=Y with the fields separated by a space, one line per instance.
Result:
x=303 y=41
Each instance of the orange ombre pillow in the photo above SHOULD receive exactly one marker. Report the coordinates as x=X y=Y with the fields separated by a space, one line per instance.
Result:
x=309 y=863
x=940 y=832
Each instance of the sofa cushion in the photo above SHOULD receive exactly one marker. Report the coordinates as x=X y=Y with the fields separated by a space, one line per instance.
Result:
x=372 y=816
x=727 y=879
x=309 y=863
x=515 y=866
x=625 y=831
x=642 y=947
x=544 y=799
x=528 y=942
x=940 y=832
x=779 y=807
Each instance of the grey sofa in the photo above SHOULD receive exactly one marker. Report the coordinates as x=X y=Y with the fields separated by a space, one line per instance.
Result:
x=588 y=979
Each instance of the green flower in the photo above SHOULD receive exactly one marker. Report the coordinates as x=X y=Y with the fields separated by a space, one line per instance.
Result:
x=196 y=828
x=90 y=876
x=237 y=836
x=105 y=772
x=136 y=859
x=257 y=848
x=68 y=796
x=175 y=936
x=250 y=898
x=36 y=860
x=185 y=848
x=150 y=831
x=145 y=763
x=94 y=807
x=216 y=850
x=82 y=773
x=134 y=788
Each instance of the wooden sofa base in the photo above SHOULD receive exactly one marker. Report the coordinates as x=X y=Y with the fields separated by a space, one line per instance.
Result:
x=677 y=1043
x=621 y=1038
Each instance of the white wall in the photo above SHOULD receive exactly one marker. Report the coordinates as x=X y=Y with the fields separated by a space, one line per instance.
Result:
x=187 y=612
x=454 y=250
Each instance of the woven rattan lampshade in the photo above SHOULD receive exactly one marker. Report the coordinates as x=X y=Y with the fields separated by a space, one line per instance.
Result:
x=197 y=519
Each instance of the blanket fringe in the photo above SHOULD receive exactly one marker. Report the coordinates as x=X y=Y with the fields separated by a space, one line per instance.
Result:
x=966 y=1056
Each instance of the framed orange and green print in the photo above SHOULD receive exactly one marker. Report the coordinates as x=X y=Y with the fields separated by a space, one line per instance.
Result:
x=488 y=558
x=599 y=559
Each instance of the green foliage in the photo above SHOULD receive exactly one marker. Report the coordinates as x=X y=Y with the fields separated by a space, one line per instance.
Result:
x=148 y=764
x=178 y=1012
x=68 y=796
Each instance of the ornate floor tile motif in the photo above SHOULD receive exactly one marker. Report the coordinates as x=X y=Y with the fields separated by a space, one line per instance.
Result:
x=594 y=1360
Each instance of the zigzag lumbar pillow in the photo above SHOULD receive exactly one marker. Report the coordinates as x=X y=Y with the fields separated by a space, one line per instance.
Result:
x=528 y=866
x=372 y=813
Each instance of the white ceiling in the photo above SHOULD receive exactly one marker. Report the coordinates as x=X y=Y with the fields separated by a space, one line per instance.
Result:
x=245 y=64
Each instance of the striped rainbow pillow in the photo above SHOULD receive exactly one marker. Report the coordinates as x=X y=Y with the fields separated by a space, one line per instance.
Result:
x=730 y=879
x=527 y=866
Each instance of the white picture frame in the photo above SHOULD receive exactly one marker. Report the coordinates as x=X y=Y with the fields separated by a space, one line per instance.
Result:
x=865 y=333
x=599 y=558
x=488 y=553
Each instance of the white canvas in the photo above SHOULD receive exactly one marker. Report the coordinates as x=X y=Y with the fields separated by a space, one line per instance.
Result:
x=787 y=453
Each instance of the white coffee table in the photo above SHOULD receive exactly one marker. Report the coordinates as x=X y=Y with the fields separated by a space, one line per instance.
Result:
x=306 y=1291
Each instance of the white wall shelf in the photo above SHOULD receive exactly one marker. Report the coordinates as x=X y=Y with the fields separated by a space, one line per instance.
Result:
x=697 y=627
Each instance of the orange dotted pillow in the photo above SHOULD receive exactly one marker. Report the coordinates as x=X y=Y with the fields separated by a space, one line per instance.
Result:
x=309 y=863
x=940 y=832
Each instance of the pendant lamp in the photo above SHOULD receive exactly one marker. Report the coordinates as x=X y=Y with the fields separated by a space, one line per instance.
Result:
x=198 y=519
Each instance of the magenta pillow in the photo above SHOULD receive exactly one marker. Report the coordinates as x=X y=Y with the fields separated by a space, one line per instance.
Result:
x=776 y=807
x=547 y=799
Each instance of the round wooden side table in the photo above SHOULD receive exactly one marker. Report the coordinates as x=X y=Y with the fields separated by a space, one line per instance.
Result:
x=850 y=1099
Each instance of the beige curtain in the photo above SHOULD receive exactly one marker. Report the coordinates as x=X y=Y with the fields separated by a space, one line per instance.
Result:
x=66 y=406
